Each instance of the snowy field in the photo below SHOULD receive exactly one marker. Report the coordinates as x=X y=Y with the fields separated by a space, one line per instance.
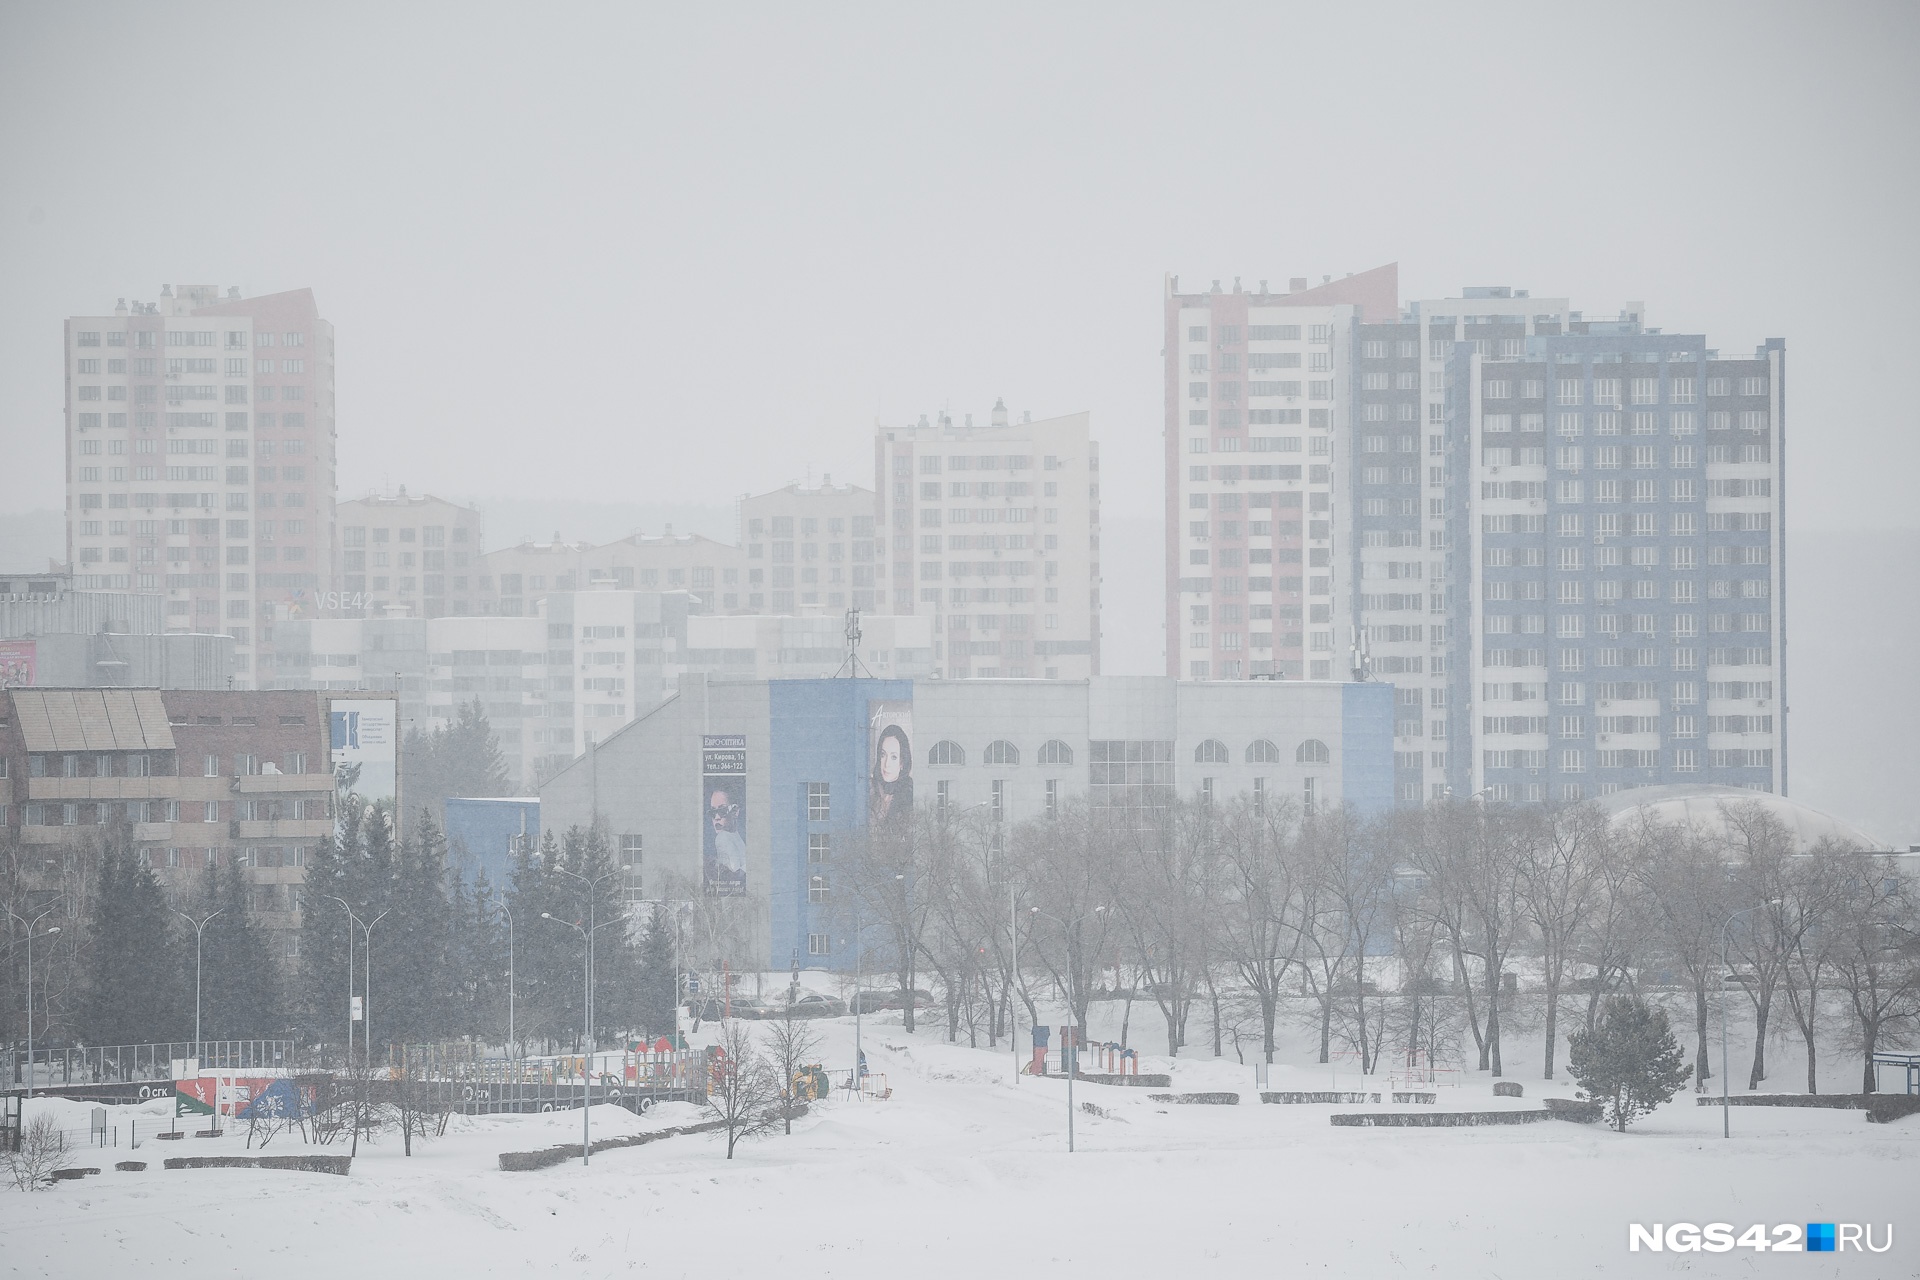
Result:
x=962 y=1172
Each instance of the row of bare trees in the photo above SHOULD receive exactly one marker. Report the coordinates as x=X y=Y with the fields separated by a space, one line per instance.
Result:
x=1409 y=938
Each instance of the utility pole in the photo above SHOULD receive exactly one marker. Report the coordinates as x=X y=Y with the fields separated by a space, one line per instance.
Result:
x=1070 y=1047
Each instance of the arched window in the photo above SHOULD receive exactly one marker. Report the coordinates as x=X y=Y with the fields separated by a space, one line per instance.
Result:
x=1313 y=751
x=1000 y=751
x=1212 y=751
x=1260 y=751
x=1054 y=751
x=946 y=752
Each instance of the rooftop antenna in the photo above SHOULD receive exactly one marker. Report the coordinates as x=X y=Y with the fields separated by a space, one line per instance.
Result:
x=853 y=668
x=1362 y=656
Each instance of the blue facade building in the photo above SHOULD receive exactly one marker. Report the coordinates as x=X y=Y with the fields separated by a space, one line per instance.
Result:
x=737 y=795
x=486 y=835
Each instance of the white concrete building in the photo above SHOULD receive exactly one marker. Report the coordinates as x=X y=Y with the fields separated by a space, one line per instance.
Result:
x=994 y=532
x=200 y=459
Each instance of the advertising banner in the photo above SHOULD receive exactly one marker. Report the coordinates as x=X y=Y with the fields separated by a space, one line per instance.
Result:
x=243 y=1097
x=723 y=814
x=889 y=764
x=16 y=664
x=366 y=746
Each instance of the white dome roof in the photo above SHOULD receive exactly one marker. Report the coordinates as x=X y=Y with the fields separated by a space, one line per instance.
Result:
x=1703 y=807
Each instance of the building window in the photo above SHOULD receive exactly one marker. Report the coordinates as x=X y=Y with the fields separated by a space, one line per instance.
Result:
x=1260 y=751
x=1312 y=751
x=1053 y=797
x=818 y=944
x=1212 y=751
x=819 y=802
x=947 y=752
x=998 y=809
x=817 y=887
x=1001 y=752
x=819 y=846
x=1054 y=751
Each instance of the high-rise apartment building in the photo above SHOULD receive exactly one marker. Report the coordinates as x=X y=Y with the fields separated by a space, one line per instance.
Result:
x=1396 y=460
x=810 y=549
x=415 y=554
x=1616 y=548
x=200 y=459
x=1557 y=537
x=1258 y=399
x=994 y=531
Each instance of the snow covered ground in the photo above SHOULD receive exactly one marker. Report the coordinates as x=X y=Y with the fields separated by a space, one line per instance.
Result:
x=961 y=1171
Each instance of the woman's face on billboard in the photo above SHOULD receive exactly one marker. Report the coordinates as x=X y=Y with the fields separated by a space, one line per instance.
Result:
x=890 y=758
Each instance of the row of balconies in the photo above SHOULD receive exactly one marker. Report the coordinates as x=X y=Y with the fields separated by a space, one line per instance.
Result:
x=177 y=788
x=190 y=833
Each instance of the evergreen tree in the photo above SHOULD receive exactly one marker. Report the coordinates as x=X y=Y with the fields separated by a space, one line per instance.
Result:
x=1629 y=1063
x=462 y=759
x=546 y=955
x=131 y=992
x=654 y=996
x=411 y=946
x=240 y=974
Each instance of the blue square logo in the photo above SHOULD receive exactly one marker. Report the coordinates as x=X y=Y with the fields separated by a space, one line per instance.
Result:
x=1819 y=1237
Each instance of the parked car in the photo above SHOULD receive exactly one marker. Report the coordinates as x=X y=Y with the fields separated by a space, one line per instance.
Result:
x=870 y=1001
x=814 y=1005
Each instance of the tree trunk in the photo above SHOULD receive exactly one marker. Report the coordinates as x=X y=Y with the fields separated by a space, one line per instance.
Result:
x=1326 y=1027
x=1213 y=996
x=1553 y=1015
x=1473 y=1012
x=1761 y=1009
x=1490 y=1054
x=1702 y=1067
x=1870 y=1040
x=1269 y=1012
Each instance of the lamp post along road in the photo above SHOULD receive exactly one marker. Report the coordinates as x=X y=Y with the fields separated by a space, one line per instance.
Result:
x=586 y=1023
x=510 y=1040
x=199 y=938
x=29 y=940
x=1070 y=1048
x=352 y=920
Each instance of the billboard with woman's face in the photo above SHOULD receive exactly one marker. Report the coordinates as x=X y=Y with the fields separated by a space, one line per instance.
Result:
x=723 y=814
x=890 y=763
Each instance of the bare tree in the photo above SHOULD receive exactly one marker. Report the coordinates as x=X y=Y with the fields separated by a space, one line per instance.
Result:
x=1065 y=866
x=1874 y=958
x=1763 y=852
x=1259 y=926
x=1562 y=857
x=1686 y=881
x=792 y=1048
x=742 y=1089
x=43 y=1148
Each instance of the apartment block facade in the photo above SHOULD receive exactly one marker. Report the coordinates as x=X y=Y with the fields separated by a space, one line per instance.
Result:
x=1622 y=622
x=414 y=554
x=191 y=778
x=1258 y=396
x=994 y=533
x=809 y=549
x=1508 y=542
x=201 y=459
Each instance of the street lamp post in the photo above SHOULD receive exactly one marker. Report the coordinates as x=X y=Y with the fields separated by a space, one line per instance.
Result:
x=1726 y=1104
x=366 y=1011
x=1070 y=1052
x=510 y=1039
x=29 y=940
x=199 y=937
x=352 y=920
x=586 y=1034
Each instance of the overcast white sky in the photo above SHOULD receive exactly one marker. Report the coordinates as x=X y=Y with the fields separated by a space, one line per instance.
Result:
x=633 y=253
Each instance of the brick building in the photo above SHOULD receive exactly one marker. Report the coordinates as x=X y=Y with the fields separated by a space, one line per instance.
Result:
x=200 y=776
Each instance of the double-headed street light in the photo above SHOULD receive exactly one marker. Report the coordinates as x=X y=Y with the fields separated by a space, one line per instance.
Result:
x=199 y=938
x=586 y=933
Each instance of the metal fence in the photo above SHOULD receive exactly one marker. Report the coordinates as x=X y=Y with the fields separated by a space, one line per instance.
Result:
x=133 y=1063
